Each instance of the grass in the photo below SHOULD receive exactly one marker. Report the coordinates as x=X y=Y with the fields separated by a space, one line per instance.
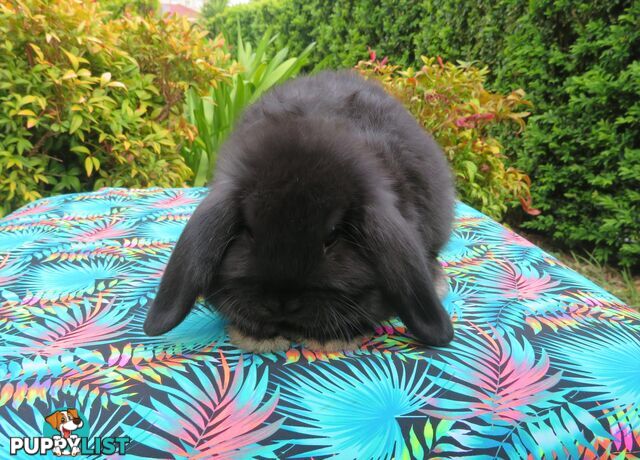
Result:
x=620 y=282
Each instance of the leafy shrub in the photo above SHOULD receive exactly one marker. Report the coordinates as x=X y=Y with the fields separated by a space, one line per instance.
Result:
x=215 y=114
x=341 y=30
x=119 y=8
x=212 y=8
x=86 y=101
x=178 y=56
x=452 y=103
x=582 y=64
x=578 y=61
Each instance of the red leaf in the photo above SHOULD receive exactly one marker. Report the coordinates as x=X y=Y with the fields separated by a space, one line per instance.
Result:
x=463 y=122
x=526 y=206
x=467 y=122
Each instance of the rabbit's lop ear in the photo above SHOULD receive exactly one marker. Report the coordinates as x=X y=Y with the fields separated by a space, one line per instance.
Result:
x=194 y=262
x=405 y=276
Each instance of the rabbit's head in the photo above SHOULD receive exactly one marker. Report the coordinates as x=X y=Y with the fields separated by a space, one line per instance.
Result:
x=301 y=236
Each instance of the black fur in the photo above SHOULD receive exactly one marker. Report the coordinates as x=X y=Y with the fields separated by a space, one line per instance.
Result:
x=328 y=209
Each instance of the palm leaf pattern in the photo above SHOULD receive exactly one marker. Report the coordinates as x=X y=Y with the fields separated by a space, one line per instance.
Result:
x=544 y=364
x=85 y=325
x=501 y=377
x=220 y=416
x=334 y=407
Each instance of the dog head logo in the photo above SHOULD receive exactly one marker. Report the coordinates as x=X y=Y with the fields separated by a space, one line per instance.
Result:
x=67 y=425
x=65 y=421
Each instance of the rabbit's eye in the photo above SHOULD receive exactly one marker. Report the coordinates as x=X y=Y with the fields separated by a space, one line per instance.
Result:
x=331 y=239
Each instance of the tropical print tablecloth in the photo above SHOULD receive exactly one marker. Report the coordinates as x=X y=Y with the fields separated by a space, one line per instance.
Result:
x=545 y=364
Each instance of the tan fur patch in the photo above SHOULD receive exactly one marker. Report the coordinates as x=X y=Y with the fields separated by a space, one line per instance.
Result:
x=251 y=344
x=333 y=346
x=441 y=284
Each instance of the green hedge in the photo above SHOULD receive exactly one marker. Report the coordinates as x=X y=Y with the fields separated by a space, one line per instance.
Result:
x=579 y=62
x=332 y=25
x=88 y=101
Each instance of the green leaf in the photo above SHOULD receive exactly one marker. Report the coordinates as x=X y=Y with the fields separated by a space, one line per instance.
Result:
x=202 y=171
x=443 y=427
x=69 y=74
x=80 y=149
x=88 y=165
x=37 y=50
x=27 y=100
x=416 y=447
x=471 y=169
x=76 y=122
x=75 y=61
x=116 y=84
x=26 y=113
x=428 y=433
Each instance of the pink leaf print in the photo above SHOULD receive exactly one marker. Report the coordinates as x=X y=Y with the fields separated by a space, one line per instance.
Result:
x=507 y=280
x=82 y=326
x=108 y=231
x=501 y=376
x=510 y=238
x=223 y=417
x=179 y=199
x=40 y=208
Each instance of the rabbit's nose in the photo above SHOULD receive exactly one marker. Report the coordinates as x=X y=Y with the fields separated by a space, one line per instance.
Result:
x=284 y=305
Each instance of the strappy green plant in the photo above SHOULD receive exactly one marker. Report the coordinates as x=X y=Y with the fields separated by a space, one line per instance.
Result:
x=215 y=113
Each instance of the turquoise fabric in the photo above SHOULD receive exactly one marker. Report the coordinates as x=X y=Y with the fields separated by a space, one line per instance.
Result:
x=545 y=364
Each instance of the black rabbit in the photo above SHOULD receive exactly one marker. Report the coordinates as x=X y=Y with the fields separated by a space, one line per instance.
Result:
x=325 y=217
